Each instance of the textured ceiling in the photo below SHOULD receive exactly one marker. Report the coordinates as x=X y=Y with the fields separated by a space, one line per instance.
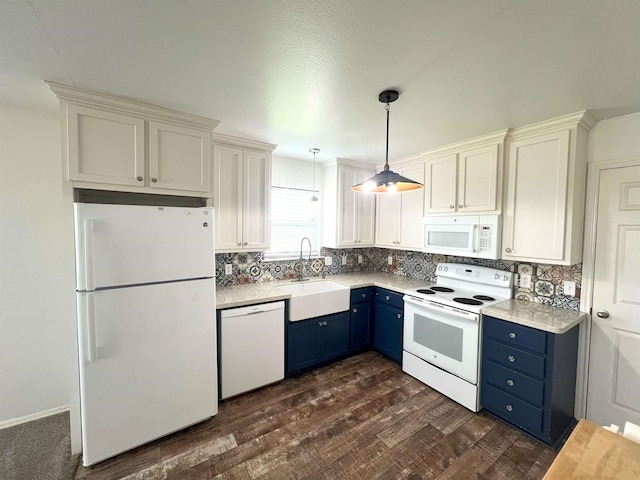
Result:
x=307 y=73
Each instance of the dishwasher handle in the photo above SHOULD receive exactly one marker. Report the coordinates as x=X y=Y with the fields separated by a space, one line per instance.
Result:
x=251 y=310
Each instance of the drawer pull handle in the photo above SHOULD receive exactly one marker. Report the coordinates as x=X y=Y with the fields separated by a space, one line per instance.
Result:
x=509 y=408
x=510 y=382
x=512 y=335
x=511 y=358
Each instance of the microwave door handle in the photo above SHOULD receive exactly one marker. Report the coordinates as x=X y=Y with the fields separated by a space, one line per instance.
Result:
x=474 y=234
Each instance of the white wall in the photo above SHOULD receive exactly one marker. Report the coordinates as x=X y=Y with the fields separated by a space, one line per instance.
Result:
x=615 y=139
x=35 y=306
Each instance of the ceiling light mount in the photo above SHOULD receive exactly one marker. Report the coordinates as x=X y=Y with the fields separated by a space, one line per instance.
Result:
x=387 y=181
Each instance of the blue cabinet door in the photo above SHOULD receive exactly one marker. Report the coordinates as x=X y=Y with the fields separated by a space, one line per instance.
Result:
x=387 y=331
x=335 y=336
x=361 y=314
x=303 y=345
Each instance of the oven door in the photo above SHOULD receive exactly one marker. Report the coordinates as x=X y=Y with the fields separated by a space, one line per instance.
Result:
x=443 y=336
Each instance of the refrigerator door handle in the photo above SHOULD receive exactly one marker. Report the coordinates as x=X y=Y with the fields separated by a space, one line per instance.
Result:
x=90 y=325
x=88 y=254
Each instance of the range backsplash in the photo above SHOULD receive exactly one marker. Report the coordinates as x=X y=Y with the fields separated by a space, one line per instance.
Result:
x=546 y=280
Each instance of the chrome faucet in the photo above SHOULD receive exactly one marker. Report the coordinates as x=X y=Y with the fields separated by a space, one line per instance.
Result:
x=300 y=266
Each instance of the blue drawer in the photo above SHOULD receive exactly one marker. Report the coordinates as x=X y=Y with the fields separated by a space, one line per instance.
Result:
x=513 y=383
x=391 y=298
x=360 y=295
x=514 y=359
x=515 y=335
x=512 y=409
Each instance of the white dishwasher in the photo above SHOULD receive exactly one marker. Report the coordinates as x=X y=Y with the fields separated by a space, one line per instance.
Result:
x=251 y=347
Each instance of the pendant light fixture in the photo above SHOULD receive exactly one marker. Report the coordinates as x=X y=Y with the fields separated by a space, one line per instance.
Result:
x=314 y=198
x=387 y=181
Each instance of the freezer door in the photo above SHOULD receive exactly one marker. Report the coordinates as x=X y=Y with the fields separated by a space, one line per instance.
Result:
x=148 y=363
x=133 y=244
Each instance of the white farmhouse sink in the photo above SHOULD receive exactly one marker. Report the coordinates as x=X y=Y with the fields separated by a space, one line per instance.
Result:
x=311 y=298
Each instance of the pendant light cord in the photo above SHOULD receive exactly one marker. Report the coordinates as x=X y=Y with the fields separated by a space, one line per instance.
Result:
x=386 y=159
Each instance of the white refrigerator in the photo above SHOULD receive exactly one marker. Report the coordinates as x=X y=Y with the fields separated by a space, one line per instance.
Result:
x=145 y=287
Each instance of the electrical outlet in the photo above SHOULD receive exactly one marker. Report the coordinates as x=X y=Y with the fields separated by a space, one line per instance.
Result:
x=525 y=280
x=328 y=261
x=390 y=260
x=228 y=269
x=344 y=259
x=359 y=258
x=569 y=288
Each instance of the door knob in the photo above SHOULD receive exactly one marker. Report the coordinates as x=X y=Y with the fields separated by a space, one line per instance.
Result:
x=602 y=314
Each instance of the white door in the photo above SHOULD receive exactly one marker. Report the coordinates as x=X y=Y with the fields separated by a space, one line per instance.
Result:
x=147 y=363
x=613 y=391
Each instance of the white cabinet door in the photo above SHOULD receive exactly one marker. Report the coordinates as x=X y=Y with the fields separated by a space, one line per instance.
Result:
x=256 y=214
x=388 y=220
x=478 y=180
x=227 y=198
x=355 y=217
x=534 y=221
x=365 y=212
x=105 y=147
x=440 y=179
x=412 y=209
x=179 y=157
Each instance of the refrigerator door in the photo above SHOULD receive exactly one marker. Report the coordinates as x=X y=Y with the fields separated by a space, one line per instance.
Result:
x=148 y=363
x=120 y=245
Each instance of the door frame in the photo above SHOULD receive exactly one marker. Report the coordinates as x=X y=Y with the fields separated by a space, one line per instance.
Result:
x=594 y=172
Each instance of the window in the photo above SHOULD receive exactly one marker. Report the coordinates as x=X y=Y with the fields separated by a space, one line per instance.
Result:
x=294 y=215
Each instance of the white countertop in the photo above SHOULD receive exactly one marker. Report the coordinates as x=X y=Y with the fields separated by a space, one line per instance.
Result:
x=253 y=293
x=536 y=315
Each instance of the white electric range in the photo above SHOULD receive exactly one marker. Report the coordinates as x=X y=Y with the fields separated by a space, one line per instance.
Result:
x=441 y=340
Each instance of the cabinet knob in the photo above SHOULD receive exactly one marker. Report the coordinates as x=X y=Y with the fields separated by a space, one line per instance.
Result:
x=509 y=408
x=460 y=206
x=511 y=358
x=510 y=382
x=245 y=244
x=452 y=206
x=387 y=298
x=512 y=335
x=354 y=310
x=139 y=178
x=363 y=295
x=319 y=324
x=154 y=180
x=239 y=244
x=324 y=323
x=508 y=250
x=399 y=315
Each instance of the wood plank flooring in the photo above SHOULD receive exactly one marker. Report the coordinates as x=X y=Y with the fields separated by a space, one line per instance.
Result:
x=360 y=418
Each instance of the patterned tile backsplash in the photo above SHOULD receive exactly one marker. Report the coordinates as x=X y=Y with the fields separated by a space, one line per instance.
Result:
x=546 y=280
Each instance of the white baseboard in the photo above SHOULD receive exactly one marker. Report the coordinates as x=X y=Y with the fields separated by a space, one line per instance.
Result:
x=34 y=416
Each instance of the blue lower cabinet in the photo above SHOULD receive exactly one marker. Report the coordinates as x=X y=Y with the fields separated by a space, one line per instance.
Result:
x=361 y=318
x=388 y=324
x=528 y=378
x=316 y=341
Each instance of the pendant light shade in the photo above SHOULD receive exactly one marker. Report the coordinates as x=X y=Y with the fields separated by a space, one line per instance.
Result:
x=387 y=181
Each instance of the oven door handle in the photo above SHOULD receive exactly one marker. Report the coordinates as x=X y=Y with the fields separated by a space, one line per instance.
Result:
x=439 y=308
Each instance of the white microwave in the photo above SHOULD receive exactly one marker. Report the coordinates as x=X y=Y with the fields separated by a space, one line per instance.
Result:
x=463 y=235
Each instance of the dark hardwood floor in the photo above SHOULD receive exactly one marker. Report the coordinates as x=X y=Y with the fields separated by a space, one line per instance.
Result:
x=359 y=418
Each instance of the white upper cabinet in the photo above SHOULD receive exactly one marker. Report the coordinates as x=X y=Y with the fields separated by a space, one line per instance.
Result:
x=242 y=189
x=348 y=216
x=121 y=144
x=545 y=191
x=399 y=215
x=465 y=177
